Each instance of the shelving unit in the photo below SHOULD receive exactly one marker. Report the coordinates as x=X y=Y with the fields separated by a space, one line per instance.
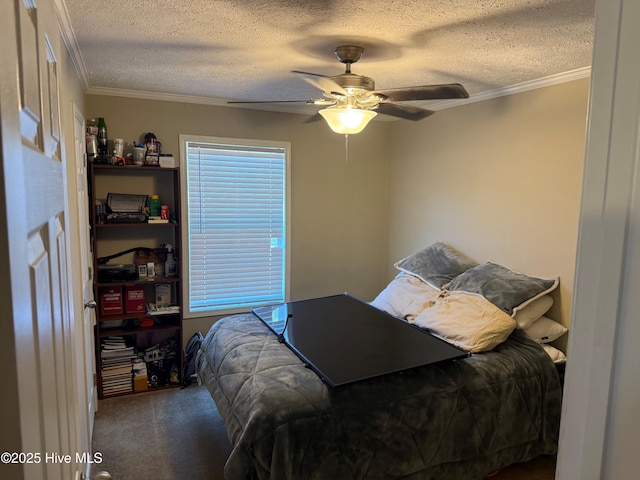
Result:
x=117 y=328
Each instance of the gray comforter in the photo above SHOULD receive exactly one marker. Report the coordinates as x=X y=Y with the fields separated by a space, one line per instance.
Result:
x=459 y=420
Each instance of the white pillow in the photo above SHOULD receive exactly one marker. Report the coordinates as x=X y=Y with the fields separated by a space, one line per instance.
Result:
x=533 y=311
x=545 y=330
x=467 y=320
x=556 y=355
x=406 y=297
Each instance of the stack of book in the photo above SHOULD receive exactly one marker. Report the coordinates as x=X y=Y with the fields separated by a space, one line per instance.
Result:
x=116 y=366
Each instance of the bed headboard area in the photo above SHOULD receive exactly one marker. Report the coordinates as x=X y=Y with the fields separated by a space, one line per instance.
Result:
x=497 y=180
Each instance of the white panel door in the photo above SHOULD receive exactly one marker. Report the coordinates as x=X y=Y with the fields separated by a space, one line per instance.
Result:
x=37 y=339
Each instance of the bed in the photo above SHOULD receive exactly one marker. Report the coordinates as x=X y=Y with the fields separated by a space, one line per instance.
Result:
x=460 y=419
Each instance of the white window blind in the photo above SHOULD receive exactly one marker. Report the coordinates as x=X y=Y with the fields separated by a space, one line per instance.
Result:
x=236 y=206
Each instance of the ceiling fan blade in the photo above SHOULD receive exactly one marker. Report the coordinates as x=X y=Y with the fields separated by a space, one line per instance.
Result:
x=324 y=83
x=313 y=118
x=426 y=92
x=273 y=101
x=408 y=112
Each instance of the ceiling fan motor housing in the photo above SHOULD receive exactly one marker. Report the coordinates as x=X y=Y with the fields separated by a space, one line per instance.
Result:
x=348 y=53
x=350 y=80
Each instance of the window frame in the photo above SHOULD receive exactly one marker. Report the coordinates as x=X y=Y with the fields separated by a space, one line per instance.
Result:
x=184 y=216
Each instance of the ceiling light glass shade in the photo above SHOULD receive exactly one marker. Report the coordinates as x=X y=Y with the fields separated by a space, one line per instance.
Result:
x=347 y=121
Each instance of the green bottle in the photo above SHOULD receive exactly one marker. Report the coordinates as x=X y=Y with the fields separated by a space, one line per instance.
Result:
x=154 y=206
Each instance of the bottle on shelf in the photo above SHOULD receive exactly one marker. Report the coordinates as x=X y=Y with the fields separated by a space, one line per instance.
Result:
x=170 y=266
x=164 y=212
x=154 y=206
x=92 y=139
x=102 y=138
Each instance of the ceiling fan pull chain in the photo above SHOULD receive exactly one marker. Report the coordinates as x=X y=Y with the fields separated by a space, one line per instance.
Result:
x=346 y=148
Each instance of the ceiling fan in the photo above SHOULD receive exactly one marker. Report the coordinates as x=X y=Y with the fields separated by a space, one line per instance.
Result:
x=352 y=100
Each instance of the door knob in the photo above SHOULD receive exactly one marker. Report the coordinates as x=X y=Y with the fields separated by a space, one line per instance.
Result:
x=91 y=304
x=103 y=476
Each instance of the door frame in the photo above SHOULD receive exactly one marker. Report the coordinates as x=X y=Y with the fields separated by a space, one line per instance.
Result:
x=599 y=416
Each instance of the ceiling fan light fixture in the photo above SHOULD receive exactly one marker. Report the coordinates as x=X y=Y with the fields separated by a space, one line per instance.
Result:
x=347 y=121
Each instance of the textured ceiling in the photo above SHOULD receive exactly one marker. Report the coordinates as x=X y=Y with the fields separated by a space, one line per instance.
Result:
x=246 y=49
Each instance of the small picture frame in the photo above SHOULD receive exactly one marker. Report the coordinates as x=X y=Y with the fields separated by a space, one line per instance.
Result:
x=142 y=271
x=151 y=269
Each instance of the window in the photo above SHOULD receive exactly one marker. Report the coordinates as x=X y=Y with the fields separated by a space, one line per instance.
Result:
x=236 y=231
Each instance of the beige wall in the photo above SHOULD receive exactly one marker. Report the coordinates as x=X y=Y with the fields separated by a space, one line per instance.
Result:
x=339 y=208
x=499 y=179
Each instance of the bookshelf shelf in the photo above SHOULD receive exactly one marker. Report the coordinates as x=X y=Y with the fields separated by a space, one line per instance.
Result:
x=138 y=282
x=110 y=332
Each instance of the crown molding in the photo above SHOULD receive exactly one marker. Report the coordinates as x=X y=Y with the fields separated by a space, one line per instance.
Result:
x=311 y=110
x=70 y=41
x=303 y=109
x=563 y=77
x=147 y=95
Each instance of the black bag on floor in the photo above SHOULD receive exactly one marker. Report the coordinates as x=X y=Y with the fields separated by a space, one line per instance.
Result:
x=190 y=350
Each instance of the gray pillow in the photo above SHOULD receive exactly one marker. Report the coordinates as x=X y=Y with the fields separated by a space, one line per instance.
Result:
x=506 y=289
x=437 y=264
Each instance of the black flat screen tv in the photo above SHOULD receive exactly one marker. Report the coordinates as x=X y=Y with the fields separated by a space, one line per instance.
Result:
x=344 y=339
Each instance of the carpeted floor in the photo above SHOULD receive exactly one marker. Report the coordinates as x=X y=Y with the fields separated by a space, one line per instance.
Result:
x=163 y=435
x=178 y=434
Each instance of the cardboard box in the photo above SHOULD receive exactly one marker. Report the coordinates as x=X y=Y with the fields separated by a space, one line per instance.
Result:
x=167 y=161
x=134 y=299
x=140 y=383
x=110 y=300
x=140 y=378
